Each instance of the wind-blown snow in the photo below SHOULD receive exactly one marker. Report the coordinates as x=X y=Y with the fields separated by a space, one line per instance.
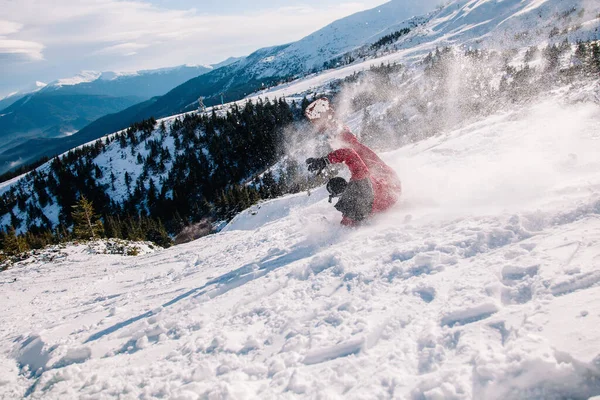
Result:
x=482 y=284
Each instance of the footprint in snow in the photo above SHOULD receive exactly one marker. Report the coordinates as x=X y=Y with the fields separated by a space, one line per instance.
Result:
x=518 y=284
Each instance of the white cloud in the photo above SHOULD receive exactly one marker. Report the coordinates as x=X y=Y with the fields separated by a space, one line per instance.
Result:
x=20 y=50
x=14 y=49
x=8 y=27
x=113 y=23
x=124 y=49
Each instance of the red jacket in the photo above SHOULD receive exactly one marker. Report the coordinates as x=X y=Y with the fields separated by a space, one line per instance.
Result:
x=363 y=163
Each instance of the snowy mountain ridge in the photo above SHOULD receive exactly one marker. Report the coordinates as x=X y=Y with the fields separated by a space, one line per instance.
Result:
x=90 y=76
x=82 y=77
x=34 y=87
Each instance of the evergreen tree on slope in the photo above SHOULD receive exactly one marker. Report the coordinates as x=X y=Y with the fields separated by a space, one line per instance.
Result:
x=86 y=224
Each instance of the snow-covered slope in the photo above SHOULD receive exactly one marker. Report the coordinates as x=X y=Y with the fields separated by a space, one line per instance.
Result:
x=513 y=23
x=486 y=24
x=342 y=36
x=482 y=284
x=478 y=23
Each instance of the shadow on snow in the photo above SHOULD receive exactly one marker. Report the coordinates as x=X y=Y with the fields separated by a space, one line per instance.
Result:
x=223 y=284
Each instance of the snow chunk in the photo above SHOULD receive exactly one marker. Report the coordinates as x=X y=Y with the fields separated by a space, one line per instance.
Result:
x=32 y=354
x=75 y=356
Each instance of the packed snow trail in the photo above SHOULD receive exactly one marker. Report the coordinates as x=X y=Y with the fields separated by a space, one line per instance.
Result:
x=483 y=283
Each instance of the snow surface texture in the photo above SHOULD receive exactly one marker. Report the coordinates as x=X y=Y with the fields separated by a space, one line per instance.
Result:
x=483 y=283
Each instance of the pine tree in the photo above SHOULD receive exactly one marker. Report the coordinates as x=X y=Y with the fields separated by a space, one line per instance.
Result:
x=156 y=233
x=134 y=228
x=127 y=180
x=581 y=53
x=163 y=130
x=113 y=178
x=594 y=60
x=86 y=225
x=112 y=227
x=98 y=172
x=13 y=244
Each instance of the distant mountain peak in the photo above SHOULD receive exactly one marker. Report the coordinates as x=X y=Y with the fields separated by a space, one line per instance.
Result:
x=110 y=75
x=229 y=61
x=82 y=77
x=8 y=95
x=31 y=88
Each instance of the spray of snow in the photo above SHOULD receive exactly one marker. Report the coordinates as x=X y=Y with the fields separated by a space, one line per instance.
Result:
x=555 y=145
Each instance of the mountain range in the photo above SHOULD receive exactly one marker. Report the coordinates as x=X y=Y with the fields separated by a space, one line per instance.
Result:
x=65 y=106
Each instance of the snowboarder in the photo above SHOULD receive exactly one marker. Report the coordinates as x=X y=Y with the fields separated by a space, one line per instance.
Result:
x=373 y=187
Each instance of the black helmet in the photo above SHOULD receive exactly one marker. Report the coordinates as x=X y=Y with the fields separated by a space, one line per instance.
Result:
x=336 y=186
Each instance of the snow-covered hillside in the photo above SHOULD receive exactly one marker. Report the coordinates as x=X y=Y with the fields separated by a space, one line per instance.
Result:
x=342 y=36
x=482 y=284
x=477 y=23
x=485 y=24
x=514 y=23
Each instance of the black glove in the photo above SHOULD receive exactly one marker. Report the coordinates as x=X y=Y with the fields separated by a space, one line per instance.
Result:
x=317 y=164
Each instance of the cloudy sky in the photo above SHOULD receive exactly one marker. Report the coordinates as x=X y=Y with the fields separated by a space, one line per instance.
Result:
x=45 y=40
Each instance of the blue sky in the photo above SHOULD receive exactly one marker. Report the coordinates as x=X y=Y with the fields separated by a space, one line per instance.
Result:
x=43 y=40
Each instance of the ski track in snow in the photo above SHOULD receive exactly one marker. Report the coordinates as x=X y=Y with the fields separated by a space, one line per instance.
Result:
x=484 y=283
